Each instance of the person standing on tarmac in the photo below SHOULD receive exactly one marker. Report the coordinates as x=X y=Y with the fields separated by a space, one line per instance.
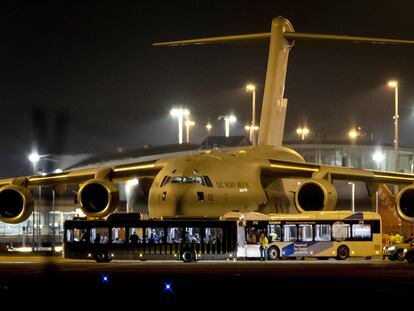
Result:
x=263 y=247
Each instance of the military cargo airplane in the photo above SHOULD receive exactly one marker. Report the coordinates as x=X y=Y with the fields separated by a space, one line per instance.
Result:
x=265 y=178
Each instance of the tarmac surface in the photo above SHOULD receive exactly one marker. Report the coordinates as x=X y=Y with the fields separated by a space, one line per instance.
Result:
x=210 y=283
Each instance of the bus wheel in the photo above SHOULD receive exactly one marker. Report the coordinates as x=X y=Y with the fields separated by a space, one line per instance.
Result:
x=102 y=256
x=188 y=256
x=342 y=252
x=273 y=253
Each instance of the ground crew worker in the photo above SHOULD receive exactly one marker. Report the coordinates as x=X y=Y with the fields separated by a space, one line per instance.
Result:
x=264 y=243
x=398 y=238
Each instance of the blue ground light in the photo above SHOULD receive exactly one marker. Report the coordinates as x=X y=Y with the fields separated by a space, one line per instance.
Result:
x=168 y=288
x=105 y=278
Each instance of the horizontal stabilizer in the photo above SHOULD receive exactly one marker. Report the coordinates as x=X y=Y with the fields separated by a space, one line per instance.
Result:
x=355 y=39
x=236 y=38
x=288 y=35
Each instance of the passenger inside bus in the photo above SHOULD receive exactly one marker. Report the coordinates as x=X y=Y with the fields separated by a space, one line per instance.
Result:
x=97 y=238
x=133 y=238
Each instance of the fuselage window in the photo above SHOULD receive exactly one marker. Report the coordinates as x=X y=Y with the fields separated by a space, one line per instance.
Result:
x=200 y=196
x=207 y=181
x=163 y=181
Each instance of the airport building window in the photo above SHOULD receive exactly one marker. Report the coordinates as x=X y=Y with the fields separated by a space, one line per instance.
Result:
x=322 y=232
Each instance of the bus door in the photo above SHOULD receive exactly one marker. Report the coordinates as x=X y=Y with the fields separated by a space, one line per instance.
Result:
x=252 y=241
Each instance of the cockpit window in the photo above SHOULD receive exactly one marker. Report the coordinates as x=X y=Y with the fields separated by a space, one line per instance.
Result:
x=187 y=180
x=202 y=180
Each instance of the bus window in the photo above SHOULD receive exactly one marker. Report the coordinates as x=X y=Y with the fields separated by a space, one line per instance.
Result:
x=340 y=231
x=275 y=232
x=251 y=235
x=154 y=235
x=174 y=235
x=290 y=233
x=213 y=235
x=136 y=235
x=69 y=235
x=305 y=233
x=361 y=231
x=99 y=235
x=192 y=234
x=80 y=235
x=118 y=235
x=322 y=232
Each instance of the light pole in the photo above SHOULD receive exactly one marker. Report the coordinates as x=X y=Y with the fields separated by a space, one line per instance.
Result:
x=180 y=113
x=252 y=88
x=227 y=120
x=302 y=132
x=394 y=84
x=188 y=124
x=34 y=157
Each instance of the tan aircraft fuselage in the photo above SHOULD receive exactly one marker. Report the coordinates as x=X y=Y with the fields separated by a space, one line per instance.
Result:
x=227 y=181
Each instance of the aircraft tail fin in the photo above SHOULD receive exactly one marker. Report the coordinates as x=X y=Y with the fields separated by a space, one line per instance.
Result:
x=282 y=38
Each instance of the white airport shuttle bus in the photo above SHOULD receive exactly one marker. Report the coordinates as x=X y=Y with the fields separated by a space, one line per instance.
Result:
x=336 y=234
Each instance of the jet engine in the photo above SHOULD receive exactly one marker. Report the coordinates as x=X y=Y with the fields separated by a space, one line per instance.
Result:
x=315 y=195
x=98 y=197
x=16 y=203
x=405 y=203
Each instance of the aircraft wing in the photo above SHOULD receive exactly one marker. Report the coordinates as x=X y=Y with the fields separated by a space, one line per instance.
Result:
x=293 y=169
x=115 y=173
x=316 y=192
x=98 y=194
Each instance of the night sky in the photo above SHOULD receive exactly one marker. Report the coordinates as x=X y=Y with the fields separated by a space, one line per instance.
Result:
x=83 y=76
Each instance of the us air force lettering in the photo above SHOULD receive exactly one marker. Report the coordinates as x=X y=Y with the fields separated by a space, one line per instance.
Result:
x=266 y=178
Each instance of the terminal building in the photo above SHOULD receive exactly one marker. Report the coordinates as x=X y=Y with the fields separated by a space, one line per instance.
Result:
x=44 y=229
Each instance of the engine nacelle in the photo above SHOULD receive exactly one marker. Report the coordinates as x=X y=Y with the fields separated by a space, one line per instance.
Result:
x=16 y=204
x=98 y=197
x=315 y=195
x=405 y=203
